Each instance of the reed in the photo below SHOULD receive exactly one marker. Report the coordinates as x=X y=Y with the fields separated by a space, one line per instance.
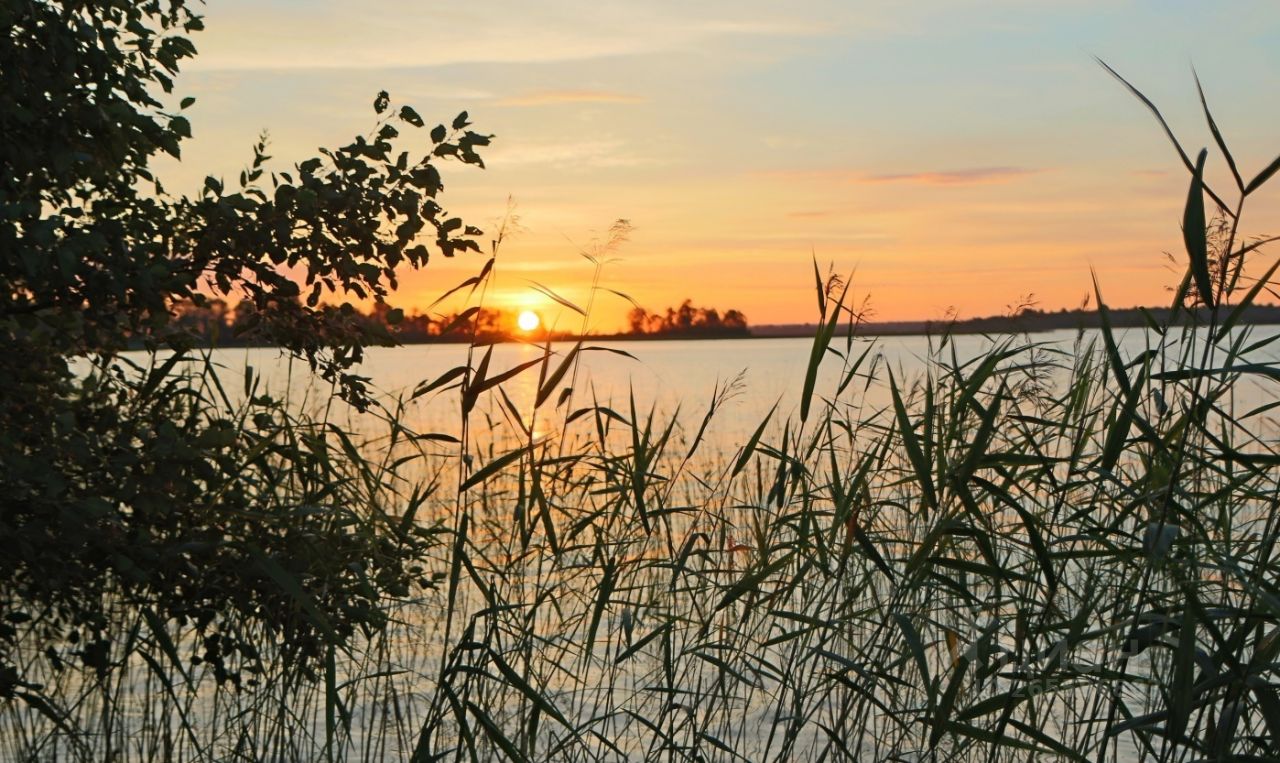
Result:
x=1034 y=553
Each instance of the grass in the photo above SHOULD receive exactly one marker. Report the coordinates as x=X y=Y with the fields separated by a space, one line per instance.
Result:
x=1037 y=553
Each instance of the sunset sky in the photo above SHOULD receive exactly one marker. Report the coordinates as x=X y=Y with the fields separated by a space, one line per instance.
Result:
x=956 y=154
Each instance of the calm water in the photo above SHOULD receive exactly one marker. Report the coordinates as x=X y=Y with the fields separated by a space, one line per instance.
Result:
x=669 y=376
x=676 y=377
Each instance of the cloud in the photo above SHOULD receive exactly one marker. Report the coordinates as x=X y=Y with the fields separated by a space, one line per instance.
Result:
x=579 y=155
x=553 y=97
x=340 y=34
x=967 y=176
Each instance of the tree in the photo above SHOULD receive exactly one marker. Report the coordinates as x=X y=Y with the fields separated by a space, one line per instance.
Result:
x=117 y=488
x=687 y=320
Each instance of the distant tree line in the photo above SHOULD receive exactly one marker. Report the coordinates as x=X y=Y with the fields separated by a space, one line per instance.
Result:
x=687 y=320
x=214 y=321
x=1032 y=319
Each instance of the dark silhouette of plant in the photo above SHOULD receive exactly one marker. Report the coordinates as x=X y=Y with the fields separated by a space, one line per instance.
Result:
x=138 y=500
x=687 y=320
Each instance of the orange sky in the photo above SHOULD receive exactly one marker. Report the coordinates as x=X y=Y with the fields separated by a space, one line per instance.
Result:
x=954 y=154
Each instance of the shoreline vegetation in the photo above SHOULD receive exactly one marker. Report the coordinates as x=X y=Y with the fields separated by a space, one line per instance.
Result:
x=213 y=324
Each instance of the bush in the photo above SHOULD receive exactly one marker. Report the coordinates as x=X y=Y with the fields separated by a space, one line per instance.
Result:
x=145 y=492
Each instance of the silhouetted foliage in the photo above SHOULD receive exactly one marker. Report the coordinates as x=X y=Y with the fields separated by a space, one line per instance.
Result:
x=210 y=323
x=152 y=489
x=687 y=320
x=1032 y=319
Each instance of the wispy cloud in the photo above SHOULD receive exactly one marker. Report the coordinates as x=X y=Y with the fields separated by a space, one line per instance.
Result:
x=597 y=154
x=967 y=176
x=964 y=176
x=553 y=97
x=339 y=34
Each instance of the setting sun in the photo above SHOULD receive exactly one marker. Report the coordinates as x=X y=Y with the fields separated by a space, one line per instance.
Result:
x=528 y=320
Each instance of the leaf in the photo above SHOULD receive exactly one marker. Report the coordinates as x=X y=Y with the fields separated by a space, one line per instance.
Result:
x=424 y=388
x=912 y=445
x=514 y=679
x=608 y=578
x=1180 y=690
x=752 y=582
x=1238 y=311
x=1152 y=107
x=557 y=298
x=492 y=468
x=1269 y=705
x=1126 y=409
x=290 y=585
x=472 y=282
x=821 y=341
x=437 y=135
x=820 y=288
x=624 y=295
x=990 y=737
x=176 y=703
x=187 y=102
x=1217 y=135
x=158 y=374
x=161 y=634
x=1029 y=523
x=459 y=320
x=481 y=383
x=1048 y=741
x=494 y=732
x=407 y=114
x=1002 y=701
x=460 y=121
x=868 y=548
x=750 y=447
x=1109 y=340
x=435 y=437
x=640 y=643
x=943 y=711
x=549 y=385
x=381 y=102
x=42 y=706
x=917 y=653
x=1186 y=160
x=1194 y=234
x=1263 y=176
x=611 y=351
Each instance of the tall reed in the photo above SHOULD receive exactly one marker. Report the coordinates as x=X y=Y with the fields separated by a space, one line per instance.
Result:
x=1034 y=553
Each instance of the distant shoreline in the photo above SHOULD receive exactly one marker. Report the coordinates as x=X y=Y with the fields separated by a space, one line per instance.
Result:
x=1035 y=321
x=1028 y=322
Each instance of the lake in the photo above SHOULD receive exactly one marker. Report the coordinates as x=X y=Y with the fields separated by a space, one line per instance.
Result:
x=678 y=376
x=739 y=616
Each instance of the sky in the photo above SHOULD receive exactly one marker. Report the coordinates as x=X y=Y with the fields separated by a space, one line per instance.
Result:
x=955 y=156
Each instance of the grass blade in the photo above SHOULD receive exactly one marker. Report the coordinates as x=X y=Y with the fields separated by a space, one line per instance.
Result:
x=1194 y=234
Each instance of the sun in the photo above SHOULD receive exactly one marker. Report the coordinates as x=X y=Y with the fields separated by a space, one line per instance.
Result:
x=528 y=320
